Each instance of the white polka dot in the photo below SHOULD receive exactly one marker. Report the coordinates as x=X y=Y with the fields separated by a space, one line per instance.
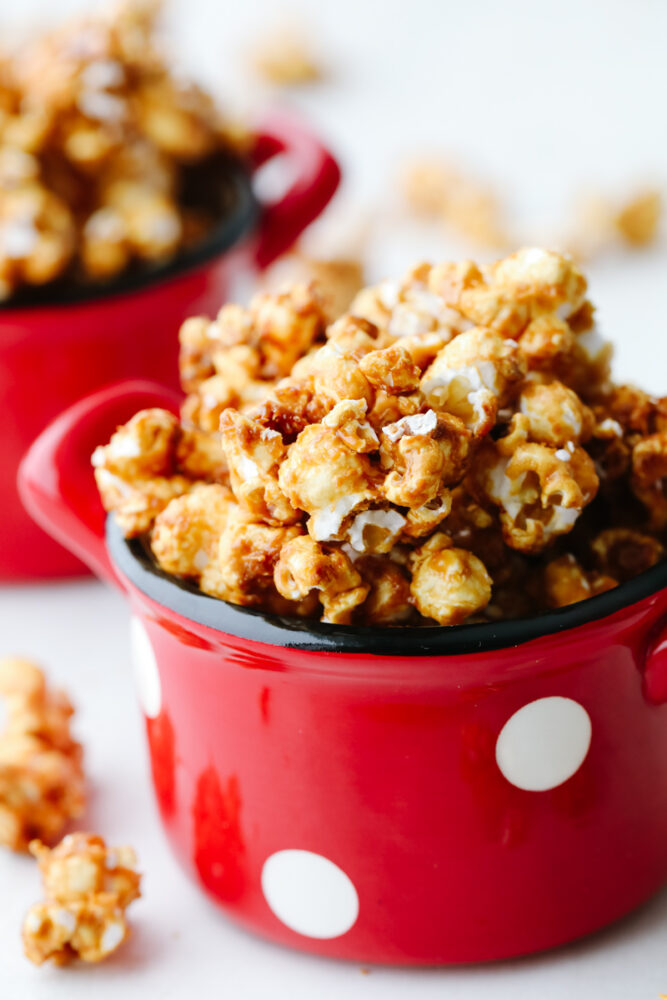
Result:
x=146 y=674
x=544 y=743
x=309 y=894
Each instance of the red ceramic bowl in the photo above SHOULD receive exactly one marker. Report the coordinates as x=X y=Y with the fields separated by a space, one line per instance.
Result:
x=410 y=795
x=56 y=352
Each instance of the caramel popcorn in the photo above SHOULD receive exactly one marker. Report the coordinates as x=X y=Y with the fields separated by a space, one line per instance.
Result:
x=88 y=887
x=450 y=449
x=103 y=152
x=638 y=220
x=284 y=58
x=435 y=190
x=41 y=776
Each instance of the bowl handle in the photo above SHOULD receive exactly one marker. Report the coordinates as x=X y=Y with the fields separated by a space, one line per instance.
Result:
x=317 y=177
x=56 y=480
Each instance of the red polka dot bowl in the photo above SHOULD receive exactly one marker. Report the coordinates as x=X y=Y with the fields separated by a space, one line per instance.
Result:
x=55 y=352
x=419 y=796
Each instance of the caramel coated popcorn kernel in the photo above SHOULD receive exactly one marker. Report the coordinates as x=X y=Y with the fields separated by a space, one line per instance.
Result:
x=41 y=774
x=450 y=449
x=88 y=887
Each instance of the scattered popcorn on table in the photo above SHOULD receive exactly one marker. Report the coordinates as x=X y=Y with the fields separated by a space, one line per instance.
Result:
x=639 y=219
x=283 y=57
x=88 y=887
x=103 y=153
x=450 y=449
x=435 y=190
x=41 y=775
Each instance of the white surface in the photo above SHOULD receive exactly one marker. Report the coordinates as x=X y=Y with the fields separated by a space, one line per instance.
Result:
x=310 y=894
x=544 y=743
x=545 y=98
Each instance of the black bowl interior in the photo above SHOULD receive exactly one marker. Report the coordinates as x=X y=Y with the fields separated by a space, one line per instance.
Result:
x=135 y=561
x=223 y=186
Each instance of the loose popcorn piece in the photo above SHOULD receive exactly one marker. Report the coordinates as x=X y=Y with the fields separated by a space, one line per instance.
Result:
x=284 y=58
x=450 y=449
x=434 y=190
x=41 y=775
x=88 y=887
x=601 y=223
x=104 y=153
x=639 y=219
x=304 y=566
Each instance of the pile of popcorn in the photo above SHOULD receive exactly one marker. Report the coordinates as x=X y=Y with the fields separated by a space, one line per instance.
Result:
x=88 y=887
x=101 y=148
x=41 y=774
x=451 y=449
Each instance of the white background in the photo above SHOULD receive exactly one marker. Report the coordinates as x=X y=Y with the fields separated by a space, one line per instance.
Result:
x=545 y=98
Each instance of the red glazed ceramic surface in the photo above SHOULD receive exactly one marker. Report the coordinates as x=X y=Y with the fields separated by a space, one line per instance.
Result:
x=51 y=356
x=429 y=808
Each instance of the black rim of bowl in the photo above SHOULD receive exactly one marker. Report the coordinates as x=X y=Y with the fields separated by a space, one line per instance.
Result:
x=244 y=211
x=133 y=559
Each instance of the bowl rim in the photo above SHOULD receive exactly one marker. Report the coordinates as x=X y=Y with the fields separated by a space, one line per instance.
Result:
x=230 y=230
x=132 y=558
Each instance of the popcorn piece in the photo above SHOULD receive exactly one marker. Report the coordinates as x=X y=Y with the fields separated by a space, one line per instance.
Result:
x=388 y=600
x=649 y=473
x=554 y=415
x=349 y=418
x=186 y=533
x=376 y=530
x=448 y=584
x=472 y=376
x=254 y=455
x=284 y=58
x=241 y=569
x=540 y=493
x=391 y=369
x=36 y=236
x=88 y=888
x=304 y=565
x=424 y=453
x=337 y=377
x=144 y=446
x=567 y=583
x=623 y=553
x=324 y=477
x=409 y=308
x=148 y=462
x=547 y=344
x=421 y=521
x=137 y=503
x=41 y=775
x=639 y=219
